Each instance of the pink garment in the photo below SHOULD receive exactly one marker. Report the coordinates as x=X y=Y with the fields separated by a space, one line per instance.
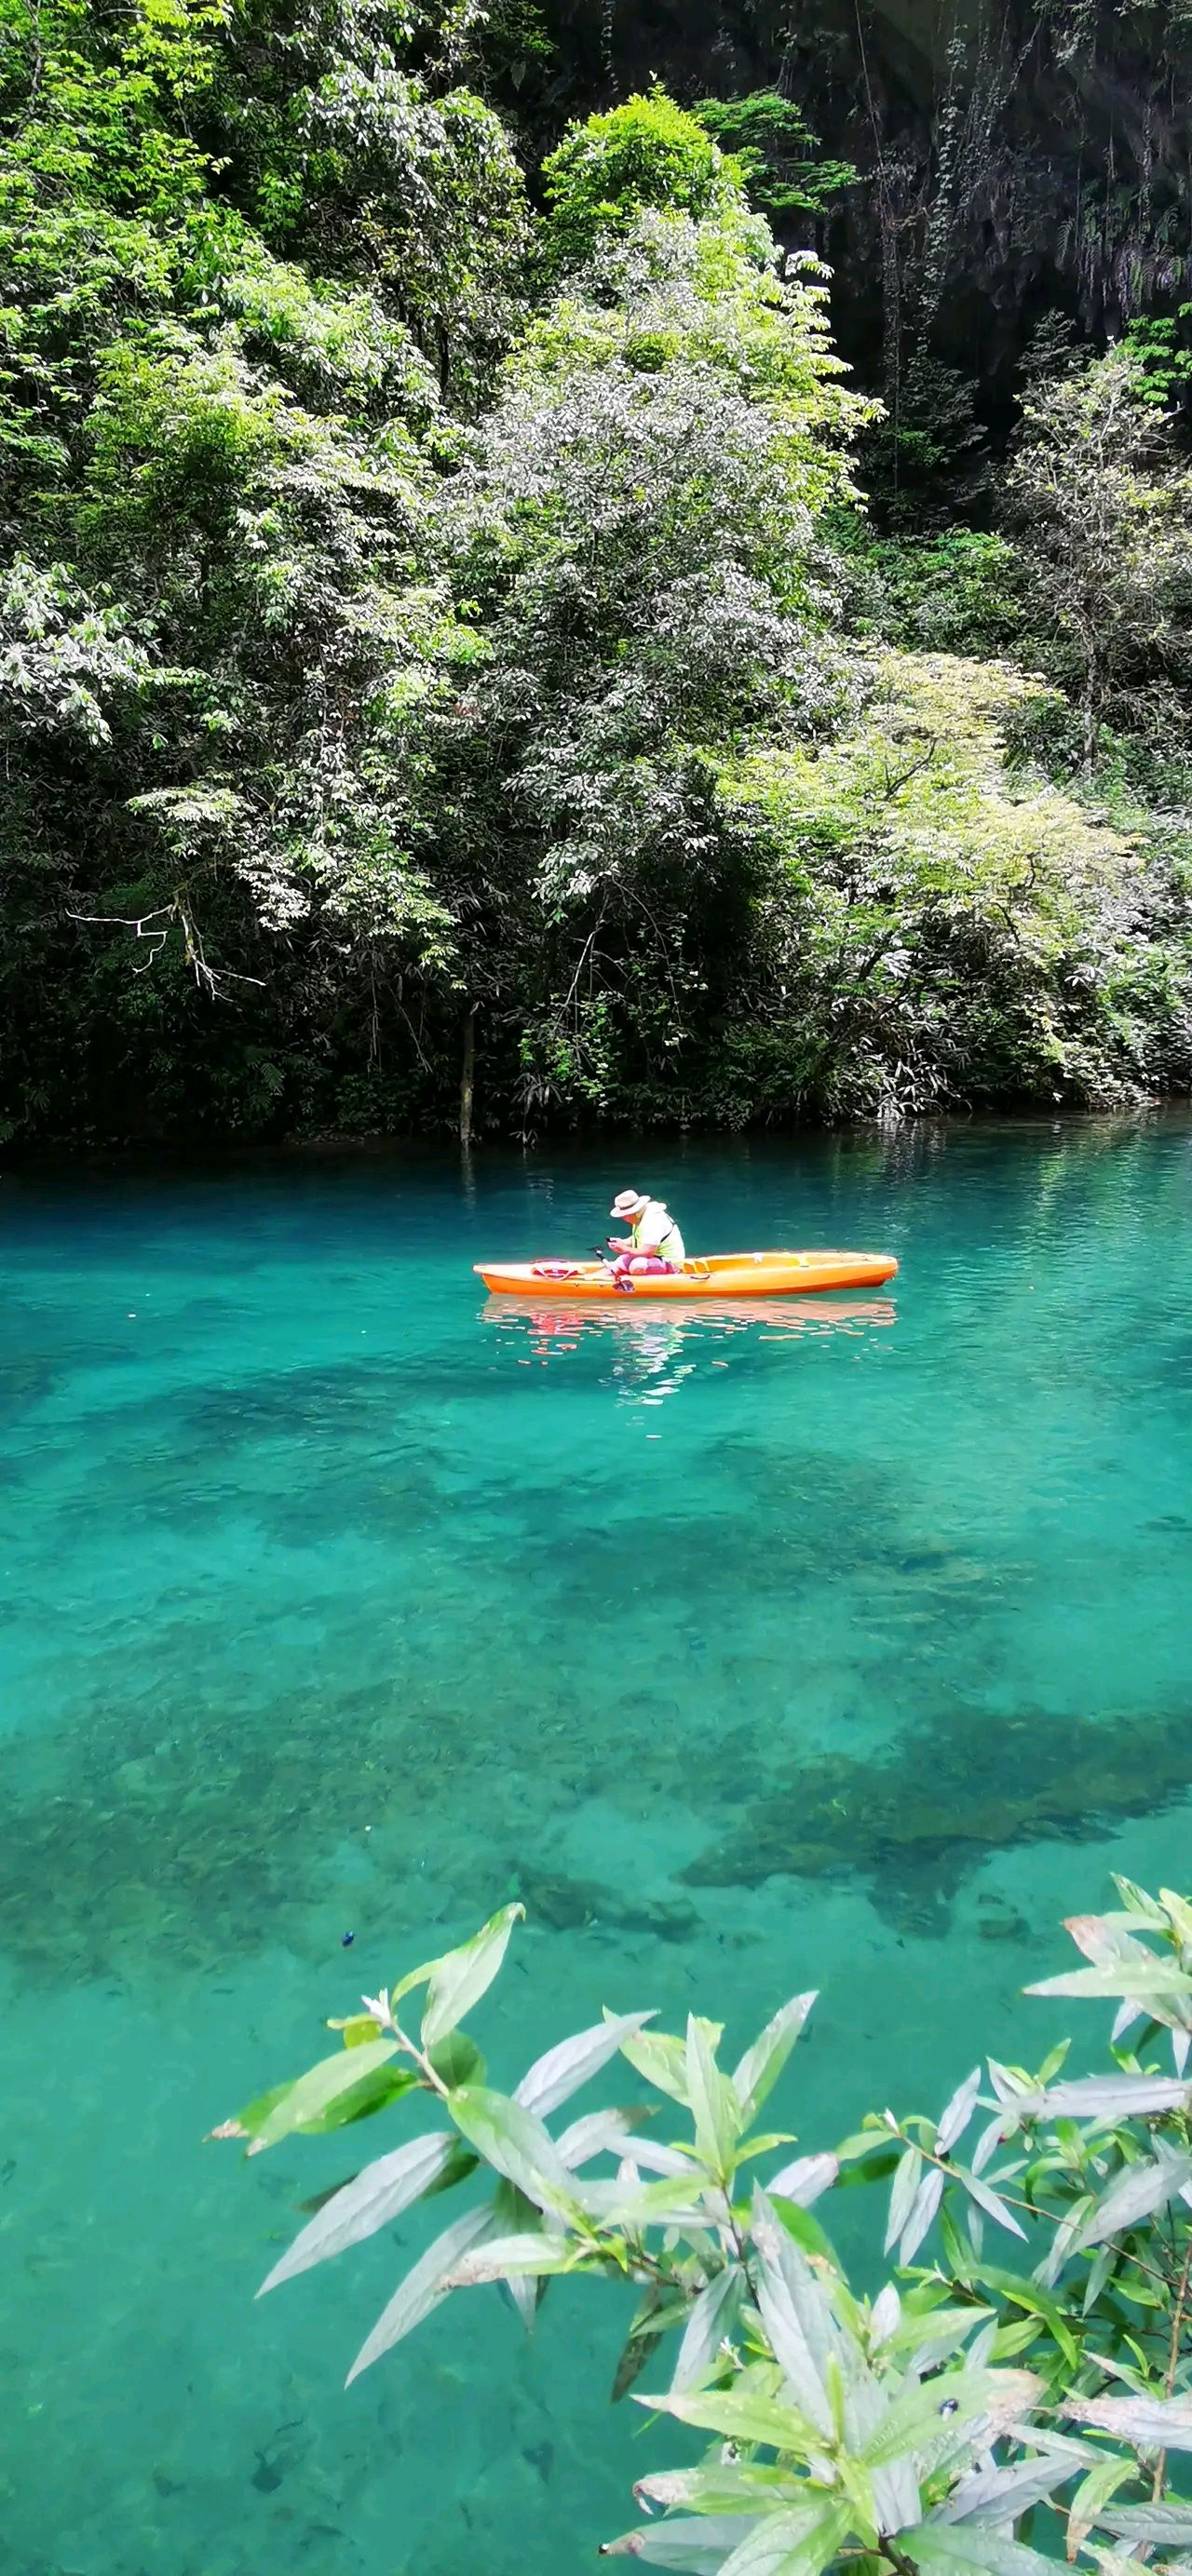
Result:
x=643 y=1265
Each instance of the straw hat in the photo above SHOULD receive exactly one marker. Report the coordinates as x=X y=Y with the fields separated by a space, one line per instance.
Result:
x=629 y=1203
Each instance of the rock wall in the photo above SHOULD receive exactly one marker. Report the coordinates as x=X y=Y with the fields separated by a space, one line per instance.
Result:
x=1016 y=156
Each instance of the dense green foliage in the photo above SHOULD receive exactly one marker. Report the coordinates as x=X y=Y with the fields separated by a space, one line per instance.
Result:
x=1026 y=2372
x=440 y=644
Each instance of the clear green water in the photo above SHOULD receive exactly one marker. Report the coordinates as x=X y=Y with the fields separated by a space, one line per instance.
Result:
x=842 y=1643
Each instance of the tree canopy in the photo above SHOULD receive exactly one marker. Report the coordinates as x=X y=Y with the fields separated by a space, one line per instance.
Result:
x=428 y=576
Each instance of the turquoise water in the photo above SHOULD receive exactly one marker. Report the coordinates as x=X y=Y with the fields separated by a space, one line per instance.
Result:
x=841 y=1643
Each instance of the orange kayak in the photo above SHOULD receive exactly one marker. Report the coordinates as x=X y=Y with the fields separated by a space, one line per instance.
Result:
x=724 y=1274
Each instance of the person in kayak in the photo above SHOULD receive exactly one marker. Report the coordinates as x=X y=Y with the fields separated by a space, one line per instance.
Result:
x=654 y=1245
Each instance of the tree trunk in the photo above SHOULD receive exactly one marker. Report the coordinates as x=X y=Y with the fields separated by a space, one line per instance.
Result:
x=1090 y=722
x=467 y=1076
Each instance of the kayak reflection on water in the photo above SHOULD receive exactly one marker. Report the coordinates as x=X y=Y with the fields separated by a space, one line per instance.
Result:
x=652 y=1355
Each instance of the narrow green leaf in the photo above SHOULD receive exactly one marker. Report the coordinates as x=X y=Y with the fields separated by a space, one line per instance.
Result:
x=805 y=2230
x=1126 y=1977
x=1099 y=2272
x=955 y=2117
x=990 y=2201
x=805 y=2179
x=515 y=2144
x=1168 y=2524
x=953 y=2399
x=959 y=2254
x=922 y=2213
x=713 y=2316
x=1148 y=2423
x=552 y=2079
x=1048 y=2271
x=721 y=2486
x=936 y=2332
x=698 y=2545
x=1115 y=2097
x=376 y=2196
x=906 y=2184
x=501 y=2258
x=759 y=2069
x=867 y=2142
x=600 y=2133
x=784 y=2326
x=976 y=2546
x=653 y=2204
x=1093 y=2492
x=742 y=2415
x=648 y=2326
x=424 y=2287
x=714 y=2104
x=1004 y=2491
x=798 y=2542
x=874 y=2169
x=1138 y=1903
x=1140 y=2192
x=1038 y=2302
x=660 y=2059
x=465 y=1974
x=313 y=2094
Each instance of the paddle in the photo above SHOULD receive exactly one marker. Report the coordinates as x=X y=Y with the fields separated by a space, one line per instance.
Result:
x=623 y=1285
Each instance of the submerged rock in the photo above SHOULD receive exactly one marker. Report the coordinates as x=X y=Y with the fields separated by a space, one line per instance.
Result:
x=575 y=1904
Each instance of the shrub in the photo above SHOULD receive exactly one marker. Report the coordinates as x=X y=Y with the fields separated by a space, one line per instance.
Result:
x=918 y=2426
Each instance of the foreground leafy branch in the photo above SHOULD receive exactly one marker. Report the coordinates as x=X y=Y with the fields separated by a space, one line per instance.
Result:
x=918 y=2427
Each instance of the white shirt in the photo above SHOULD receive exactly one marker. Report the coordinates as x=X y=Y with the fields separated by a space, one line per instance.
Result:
x=655 y=1231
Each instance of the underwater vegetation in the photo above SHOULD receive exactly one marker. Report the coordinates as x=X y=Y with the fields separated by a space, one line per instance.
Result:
x=189 y=1836
x=916 y=1819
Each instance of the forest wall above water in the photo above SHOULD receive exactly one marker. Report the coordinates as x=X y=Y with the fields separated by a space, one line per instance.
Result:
x=447 y=673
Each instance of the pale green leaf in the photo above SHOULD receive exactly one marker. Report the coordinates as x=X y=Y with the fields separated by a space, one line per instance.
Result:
x=805 y=2179
x=1170 y=2525
x=952 y=2400
x=712 y=2317
x=957 y=2113
x=1149 y=2423
x=515 y=2144
x=976 y=2546
x=797 y=2542
x=463 y=1975
x=714 y=2104
x=1094 y=2491
x=366 y=2204
x=1139 y=2192
x=502 y=2258
x=660 y=2059
x=697 y=2545
x=552 y=2079
x=742 y=2415
x=902 y=2194
x=759 y=2069
x=423 y=2287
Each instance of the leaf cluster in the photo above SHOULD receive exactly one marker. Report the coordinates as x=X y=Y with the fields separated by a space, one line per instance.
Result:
x=922 y=2426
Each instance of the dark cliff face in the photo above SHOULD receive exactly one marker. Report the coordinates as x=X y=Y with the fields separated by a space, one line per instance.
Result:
x=1015 y=156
